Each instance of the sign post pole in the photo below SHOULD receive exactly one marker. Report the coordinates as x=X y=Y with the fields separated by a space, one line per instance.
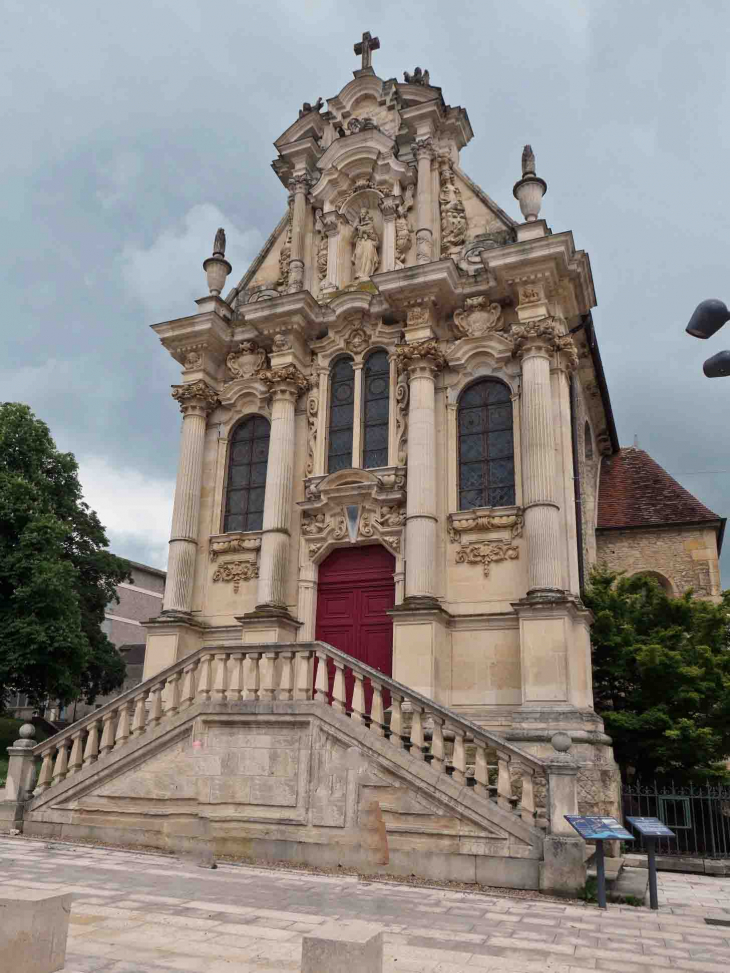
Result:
x=601 y=874
x=650 y=829
x=651 y=854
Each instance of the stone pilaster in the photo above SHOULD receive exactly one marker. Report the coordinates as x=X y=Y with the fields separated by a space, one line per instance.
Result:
x=424 y=201
x=298 y=186
x=389 y=209
x=287 y=384
x=421 y=361
x=196 y=401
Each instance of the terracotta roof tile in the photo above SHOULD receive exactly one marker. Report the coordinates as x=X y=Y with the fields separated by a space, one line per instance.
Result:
x=636 y=492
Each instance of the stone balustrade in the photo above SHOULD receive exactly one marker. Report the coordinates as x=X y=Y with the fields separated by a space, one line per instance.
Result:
x=302 y=671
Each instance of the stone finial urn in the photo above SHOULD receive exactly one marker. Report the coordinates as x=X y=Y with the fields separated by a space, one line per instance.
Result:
x=217 y=267
x=529 y=190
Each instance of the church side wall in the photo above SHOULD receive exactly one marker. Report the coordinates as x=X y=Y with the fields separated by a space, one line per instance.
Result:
x=685 y=556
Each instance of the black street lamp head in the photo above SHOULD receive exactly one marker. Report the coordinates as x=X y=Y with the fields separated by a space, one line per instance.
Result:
x=709 y=316
x=718 y=366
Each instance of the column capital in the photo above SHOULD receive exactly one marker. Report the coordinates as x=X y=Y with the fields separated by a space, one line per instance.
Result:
x=332 y=221
x=537 y=337
x=286 y=380
x=300 y=182
x=423 y=148
x=389 y=207
x=419 y=357
x=195 y=398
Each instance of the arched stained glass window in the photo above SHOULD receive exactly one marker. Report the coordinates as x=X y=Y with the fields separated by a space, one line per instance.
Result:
x=588 y=442
x=247 y=460
x=486 y=446
x=342 y=415
x=376 y=394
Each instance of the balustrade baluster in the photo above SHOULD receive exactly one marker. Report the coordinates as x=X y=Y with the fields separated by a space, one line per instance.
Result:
x=172 y=694
x=358 y=699
x=396 y=719
x=46 y=775
x=140 y=715
x=235 y=690
x=303 y=688
x=108 y=724
x=286 y=680
x=417 y=739
x=481 y=770
x=527 y=804
x=321 y=687
x=459 y=758
x=221 y=677
x=77 y=750
x=338 y=690
x=268 y=663
x=252 y=675
x=504 y=781
x=155 y=705
x=377 y=716
x=61 y=765
x=437 y=745
x=187 y=693
x=122 y=734
x=204 y=680
x=91 y=751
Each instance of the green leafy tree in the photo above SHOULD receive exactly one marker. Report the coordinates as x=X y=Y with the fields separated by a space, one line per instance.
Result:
x=56 y=576
x=661 y=677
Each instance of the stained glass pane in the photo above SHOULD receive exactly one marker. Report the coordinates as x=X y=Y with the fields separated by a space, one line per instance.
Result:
x=486 y=446
x=247 y=463
x=342 y=414
x=376 y=404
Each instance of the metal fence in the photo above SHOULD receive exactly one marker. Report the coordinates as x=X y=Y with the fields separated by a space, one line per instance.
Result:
x=699 y=816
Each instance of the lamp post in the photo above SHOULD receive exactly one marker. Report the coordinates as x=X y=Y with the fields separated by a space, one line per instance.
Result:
x=709 y=316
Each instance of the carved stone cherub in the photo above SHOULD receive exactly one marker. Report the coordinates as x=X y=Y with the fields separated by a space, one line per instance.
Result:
x=418 y=77
x=307 y=108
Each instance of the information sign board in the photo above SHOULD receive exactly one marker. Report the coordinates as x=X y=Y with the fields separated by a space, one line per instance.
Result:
x=599 y=828
x=651 y=827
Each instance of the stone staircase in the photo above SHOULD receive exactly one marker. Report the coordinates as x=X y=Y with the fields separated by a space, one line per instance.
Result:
x=265 y=743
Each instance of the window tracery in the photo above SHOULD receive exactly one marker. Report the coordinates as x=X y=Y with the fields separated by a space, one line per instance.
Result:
x=341 y=416
x=486 y=446
x=246 y=481
x=375 y=410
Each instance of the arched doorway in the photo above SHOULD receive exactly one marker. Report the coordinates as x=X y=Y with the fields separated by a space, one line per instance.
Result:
x=355 y=591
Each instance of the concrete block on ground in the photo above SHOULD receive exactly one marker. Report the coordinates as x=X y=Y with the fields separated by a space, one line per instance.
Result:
x=349 y=945
x=33 y=931
x=563 y=870
x=630 y=883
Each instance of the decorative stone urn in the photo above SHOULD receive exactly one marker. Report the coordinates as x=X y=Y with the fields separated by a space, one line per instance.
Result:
x=217 y=267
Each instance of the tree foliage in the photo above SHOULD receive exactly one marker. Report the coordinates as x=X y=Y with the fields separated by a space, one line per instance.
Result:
x=661 y=677
x=56 y=576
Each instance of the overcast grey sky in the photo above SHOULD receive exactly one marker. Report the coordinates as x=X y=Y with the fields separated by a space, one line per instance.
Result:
x=133 y=130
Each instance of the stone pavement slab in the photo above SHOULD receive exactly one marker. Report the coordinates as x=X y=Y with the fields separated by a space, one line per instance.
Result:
x=147 y=913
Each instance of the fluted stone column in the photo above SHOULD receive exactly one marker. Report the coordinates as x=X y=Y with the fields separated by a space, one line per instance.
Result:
x=422 y=361
x=196 y=401
x=287 y=384
x=389 y=209
x=424 y=205
x=298 y=186
x=536 y=344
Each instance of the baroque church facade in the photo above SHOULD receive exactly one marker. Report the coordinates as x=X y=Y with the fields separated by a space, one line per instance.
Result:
x=393 y=428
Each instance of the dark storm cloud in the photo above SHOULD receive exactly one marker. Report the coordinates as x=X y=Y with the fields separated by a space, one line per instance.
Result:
x=132 y=128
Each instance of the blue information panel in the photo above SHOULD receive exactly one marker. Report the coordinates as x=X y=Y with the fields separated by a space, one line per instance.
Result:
x=651 y=827
x=599 y=828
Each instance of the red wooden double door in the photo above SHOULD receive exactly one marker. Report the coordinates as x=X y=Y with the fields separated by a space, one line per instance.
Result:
x=354 y=592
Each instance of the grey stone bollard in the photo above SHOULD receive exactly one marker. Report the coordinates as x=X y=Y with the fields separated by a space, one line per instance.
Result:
x=33 y=931
x=350 y=945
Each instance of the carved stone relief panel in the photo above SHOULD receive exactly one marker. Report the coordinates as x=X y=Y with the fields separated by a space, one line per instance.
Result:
x=238 y=569
x=486 y=538
x=248 y=361
x=478 y=318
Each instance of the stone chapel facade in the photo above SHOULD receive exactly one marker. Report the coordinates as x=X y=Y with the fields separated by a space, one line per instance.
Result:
x=385 y=428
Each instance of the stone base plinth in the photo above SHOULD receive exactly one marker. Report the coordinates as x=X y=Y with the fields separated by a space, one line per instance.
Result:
x=563 y=871
x=350 y=945
x=33 y=931
x=266 y=624
x=11 y=815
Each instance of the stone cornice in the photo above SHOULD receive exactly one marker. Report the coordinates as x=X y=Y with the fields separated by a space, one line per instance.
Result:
x=208 y=331
x=298 y=311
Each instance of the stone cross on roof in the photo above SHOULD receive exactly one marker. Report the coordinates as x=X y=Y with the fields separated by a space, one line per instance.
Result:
x=365 y=47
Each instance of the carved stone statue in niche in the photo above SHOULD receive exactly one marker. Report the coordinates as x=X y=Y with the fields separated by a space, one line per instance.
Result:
x=365 y=257
x=453 y=213
x=247 y=361
x=403 y=232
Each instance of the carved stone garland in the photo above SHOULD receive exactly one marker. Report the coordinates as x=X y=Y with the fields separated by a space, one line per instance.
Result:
x=235 y=571
x=453 y=213
x=481 y=550
x=312 y=411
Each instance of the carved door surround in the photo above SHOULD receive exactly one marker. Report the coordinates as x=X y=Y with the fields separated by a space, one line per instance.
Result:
x=349 y=508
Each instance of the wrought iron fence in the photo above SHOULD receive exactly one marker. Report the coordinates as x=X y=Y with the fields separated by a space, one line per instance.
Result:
x=698 y=815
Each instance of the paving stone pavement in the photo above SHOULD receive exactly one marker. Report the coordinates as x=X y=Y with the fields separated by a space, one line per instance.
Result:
x=139 y=913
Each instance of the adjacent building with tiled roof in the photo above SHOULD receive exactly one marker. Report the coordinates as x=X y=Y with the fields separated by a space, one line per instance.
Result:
x=648 y=523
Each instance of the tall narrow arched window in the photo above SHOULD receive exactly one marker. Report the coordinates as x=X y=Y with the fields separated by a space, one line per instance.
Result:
x=247 y=460
x=588 y=442
x=486 y=446
x=376 y=394
x=342 y=415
